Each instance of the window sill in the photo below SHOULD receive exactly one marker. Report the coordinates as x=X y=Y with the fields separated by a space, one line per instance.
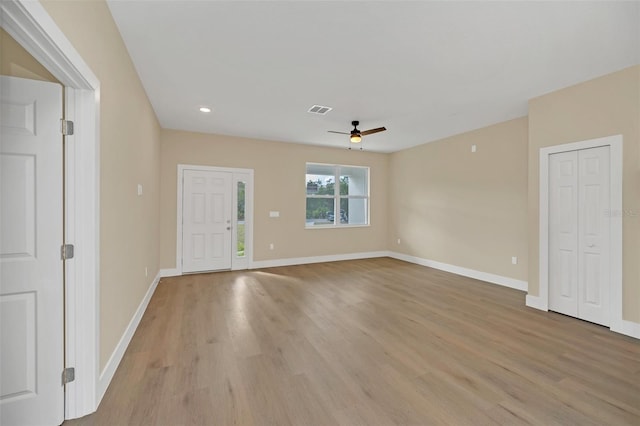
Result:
x=335 y=226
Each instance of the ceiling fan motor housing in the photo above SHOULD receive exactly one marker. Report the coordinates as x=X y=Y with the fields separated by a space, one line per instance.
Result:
x=355 y=131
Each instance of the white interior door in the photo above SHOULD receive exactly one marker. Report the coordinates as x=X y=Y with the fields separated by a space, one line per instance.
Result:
x=579 y=247
x=207 y=209
x=563 y=233
x=593 y=235
x=31 y=290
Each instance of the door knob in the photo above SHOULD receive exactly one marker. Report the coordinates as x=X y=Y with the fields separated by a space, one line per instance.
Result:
x=590 y=245
x=228 y=228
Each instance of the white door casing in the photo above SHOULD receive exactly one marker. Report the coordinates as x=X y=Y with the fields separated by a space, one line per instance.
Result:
x=579 y=232
x=31 y=234
x=207 y=216
x=32 y=27
x=541 y=300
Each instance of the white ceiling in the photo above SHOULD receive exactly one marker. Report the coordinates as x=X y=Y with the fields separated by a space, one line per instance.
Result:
x=425 y=70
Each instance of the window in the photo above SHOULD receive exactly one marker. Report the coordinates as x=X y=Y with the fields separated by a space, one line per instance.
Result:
x=331 y=206
x=240 y=224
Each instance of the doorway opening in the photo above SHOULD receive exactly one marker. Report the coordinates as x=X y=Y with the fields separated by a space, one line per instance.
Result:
x=215 y=219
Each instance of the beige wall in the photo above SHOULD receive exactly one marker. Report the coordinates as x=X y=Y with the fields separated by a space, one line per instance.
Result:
x=129 y=155
x=445 y=203
x=609 y=105
x=466 y=209
x=17 y=62
x=279 y=170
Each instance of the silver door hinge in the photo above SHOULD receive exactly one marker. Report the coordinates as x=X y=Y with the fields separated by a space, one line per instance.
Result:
x=68 y=375
x=66 y=126
x=67 y=251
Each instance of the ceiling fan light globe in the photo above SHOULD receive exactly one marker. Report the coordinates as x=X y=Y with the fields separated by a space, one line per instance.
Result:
x=356 y=138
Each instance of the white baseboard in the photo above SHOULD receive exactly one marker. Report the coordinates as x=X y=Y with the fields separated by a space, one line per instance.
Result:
x=259 y=264
x=169 y=273
x=628 y=328
x=466 y=272
x=536 y=303
x=118 y=353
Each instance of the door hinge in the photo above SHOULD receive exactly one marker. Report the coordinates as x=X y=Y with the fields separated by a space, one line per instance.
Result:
x=66 y=251
x=66 y=126
x=68 y=375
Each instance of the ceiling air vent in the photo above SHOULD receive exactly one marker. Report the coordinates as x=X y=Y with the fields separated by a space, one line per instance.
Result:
x=319 y=109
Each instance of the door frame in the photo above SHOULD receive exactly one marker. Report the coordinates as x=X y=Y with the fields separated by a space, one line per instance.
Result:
x=615 y=224
x=32 y=27
x=248 y=236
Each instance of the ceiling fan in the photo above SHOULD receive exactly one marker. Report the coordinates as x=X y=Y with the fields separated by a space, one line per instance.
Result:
x=356 y=135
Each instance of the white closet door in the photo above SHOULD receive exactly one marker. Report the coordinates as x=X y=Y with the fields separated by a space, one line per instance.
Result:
x=563 y=233
x=579 y=247
x=593 y=234
x=206 y=230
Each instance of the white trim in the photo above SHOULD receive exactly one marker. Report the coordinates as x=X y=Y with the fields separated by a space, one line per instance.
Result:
x=260 y=264
x=248 y=210
x=82 y=331
x=32 y=27
x=615 y=144
x=169 y=273
x=536 y=302
x=116 y=356
x=627 y=328
x=465 y=272
x=312 y=227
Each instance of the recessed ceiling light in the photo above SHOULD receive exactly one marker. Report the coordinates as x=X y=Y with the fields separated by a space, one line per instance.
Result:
x=205 y=109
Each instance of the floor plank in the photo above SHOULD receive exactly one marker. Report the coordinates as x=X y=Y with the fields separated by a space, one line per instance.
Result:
x=364 y=342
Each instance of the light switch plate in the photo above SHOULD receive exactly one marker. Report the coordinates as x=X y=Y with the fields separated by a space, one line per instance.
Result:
x=274 y=214
x=139 y=189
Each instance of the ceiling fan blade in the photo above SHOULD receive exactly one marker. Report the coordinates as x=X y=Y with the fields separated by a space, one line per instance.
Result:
x=340 y=133
x=372 y=131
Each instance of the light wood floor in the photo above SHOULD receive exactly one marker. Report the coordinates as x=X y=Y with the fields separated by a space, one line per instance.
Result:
x=367 y=342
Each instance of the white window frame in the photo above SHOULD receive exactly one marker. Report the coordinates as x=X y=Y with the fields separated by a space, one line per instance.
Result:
x=337 y=197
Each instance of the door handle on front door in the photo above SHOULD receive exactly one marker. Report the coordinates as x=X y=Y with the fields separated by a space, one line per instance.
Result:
x=228 y=228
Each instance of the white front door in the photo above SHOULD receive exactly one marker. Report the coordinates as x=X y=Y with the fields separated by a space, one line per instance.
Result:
x=579 y=252
x=207 y=209
x=31 y=290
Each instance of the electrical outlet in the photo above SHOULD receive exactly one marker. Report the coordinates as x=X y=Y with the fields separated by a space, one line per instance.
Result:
x=139 y=189
x=474 y=148
x=271 y=246
x=514 y=260
x=398 y=240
